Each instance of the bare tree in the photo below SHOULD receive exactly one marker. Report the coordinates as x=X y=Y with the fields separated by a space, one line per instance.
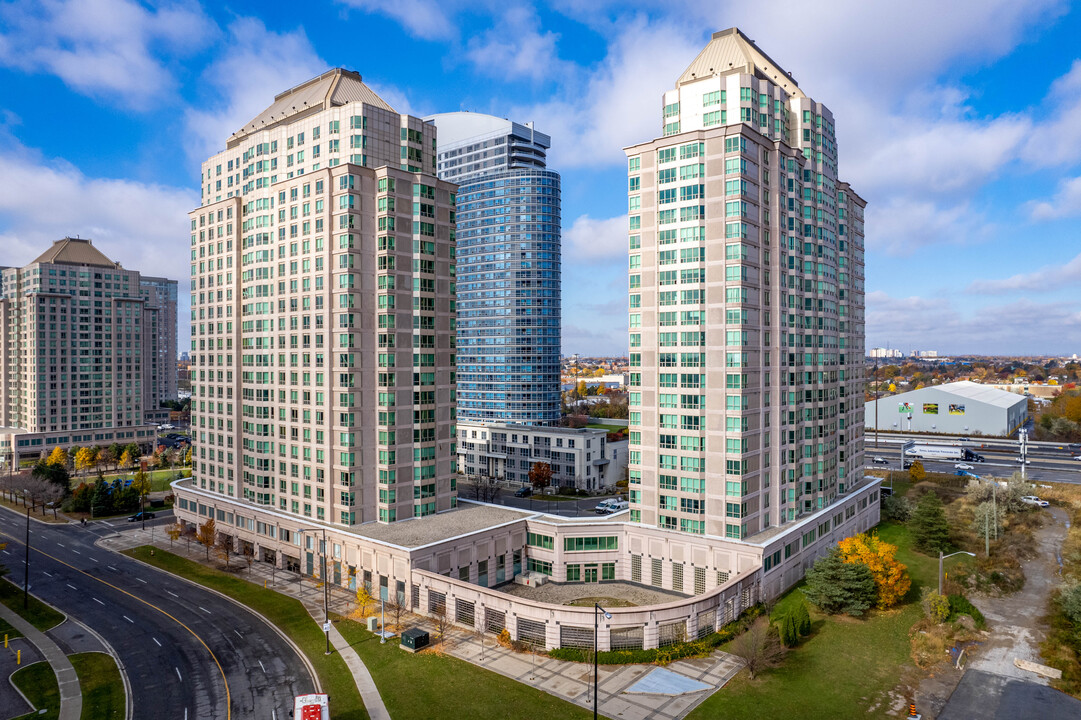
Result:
x=758 y=647
x=224 y=548
x=34 y=489
x=478 y=635
x=485 y=489
x=249 y=556
x=442 y=624
x=189 y=534
x=397 y=613
x=52 y=496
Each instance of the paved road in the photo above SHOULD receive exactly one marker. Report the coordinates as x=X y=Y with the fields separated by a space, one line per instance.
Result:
x=1047 y=464
x=988 y=696
x=185 y=650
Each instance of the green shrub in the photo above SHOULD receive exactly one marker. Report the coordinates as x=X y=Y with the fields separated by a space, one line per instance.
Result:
x=935 y=606
x=960 y=605
x=839 y=587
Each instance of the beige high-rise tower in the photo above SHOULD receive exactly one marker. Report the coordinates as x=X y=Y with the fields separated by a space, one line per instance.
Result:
x=746 y=303
x=323 y=311
x=81 y=352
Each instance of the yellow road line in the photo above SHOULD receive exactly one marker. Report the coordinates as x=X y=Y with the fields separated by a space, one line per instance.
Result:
x=228 y=700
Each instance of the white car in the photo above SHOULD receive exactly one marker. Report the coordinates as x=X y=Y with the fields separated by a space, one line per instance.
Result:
x=1033 y=500
x=963 y=466
x=1023 y=460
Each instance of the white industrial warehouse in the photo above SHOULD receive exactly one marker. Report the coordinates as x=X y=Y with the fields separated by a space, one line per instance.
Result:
x=960 y=408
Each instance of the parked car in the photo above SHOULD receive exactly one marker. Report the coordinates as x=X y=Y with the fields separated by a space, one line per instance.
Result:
x=523 y=492
x=1033 y=500
x=611 y=505
x=139 y=516
x=880 y=461
x=963 y=466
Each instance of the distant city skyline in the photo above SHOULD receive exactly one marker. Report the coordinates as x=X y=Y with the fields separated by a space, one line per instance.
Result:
x=972 y=186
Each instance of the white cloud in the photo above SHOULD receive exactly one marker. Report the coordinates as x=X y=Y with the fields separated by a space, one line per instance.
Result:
x=1045 y=279
x=426 y=19
x=1065 y=203
x=903 y=226
x=1022 y=327
x=619 y=103
x=514 y=48
x=256 y=64
x=594 y=338
x=143 y=226
x=102 y=47
x=590 y=240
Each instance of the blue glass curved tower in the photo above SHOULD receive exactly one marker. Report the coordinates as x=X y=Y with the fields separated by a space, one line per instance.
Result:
x=508 y=268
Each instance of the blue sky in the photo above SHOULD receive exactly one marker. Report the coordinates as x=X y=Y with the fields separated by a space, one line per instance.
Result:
x=959 y=122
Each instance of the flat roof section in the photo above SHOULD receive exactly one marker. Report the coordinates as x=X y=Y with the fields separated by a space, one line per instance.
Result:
x=465 y=519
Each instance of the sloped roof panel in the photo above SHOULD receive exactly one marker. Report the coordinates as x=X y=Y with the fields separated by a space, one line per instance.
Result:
x=74 y=251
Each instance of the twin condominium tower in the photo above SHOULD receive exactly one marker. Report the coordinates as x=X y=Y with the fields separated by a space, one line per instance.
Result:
x=358 y=282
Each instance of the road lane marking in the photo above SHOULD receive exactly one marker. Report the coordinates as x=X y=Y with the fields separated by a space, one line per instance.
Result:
x=99 y=602
x=93 y=558
x=217 y=663
x=205 y=610
x=61 y=544
x=140 y=580
x=47 y=573
x=178 y=673
x=172 y=593
x=157 y=641
x=264 y=668
x=76 y=551
x=6 y=552
x=128 y=619
x=238 y=634
x=112 y=568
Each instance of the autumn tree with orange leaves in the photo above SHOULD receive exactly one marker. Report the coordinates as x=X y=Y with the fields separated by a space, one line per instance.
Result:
x=890 y=576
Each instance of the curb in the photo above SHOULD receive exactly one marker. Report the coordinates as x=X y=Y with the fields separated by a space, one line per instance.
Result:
x=300 y=653
x=129 y=702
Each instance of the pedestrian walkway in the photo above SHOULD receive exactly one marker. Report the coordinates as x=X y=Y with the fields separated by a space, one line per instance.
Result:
x=570 y=681
x=369 y=693
x=71 y=699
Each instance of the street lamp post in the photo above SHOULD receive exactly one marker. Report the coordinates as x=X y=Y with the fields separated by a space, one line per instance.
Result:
x=326 y=586
x=1022 y=436
x=876 y=404
x=596 y=621
x=940 y=559
x=26 y=567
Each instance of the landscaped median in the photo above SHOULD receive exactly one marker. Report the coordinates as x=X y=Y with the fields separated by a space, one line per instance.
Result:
x=287 y=614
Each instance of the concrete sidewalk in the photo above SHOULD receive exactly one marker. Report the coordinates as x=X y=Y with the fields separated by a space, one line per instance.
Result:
x=567 y=680
x=71 y=699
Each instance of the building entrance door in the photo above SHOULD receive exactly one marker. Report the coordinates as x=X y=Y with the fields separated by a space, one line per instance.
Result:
x=590 y=573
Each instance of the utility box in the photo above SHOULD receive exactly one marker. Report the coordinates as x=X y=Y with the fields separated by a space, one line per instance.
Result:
x=415 y=639
x=373 y=624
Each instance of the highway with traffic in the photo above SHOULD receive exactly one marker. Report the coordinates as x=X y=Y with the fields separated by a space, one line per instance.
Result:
x=1047 y=462
x=187 y=652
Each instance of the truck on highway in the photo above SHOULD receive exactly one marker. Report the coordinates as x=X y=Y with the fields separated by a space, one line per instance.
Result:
x=913 y=450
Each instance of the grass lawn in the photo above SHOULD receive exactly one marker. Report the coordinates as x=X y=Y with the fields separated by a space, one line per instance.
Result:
x=285 y=612
x=38 y=683
x=38 y=613
x=845 y=668
x=159 y=479
x=431 y=686
x=101 y=686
